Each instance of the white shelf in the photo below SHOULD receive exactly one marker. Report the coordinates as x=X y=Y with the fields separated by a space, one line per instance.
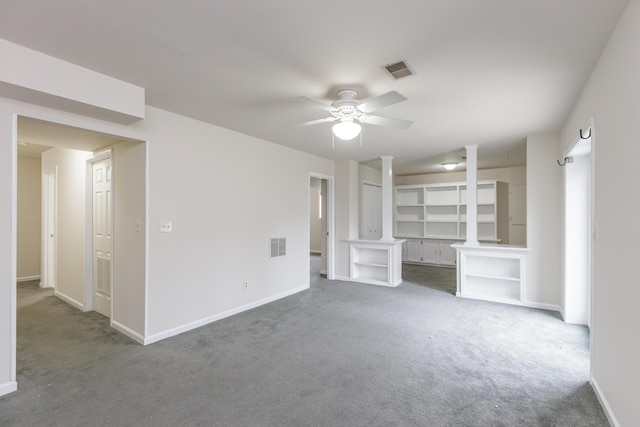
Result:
x=487 y=276
x=370 y=264
x=442 y=212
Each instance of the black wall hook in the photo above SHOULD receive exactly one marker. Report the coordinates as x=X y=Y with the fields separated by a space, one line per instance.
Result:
x=565 y=161
x=585 y=137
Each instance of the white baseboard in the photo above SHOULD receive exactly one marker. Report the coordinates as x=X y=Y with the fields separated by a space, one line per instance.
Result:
x=127 y=331
x=210 y=319
x=27 y=278
x=605 y=404
x=343 y=278
x=7 y=388
x=69 y=300
x=542 y=306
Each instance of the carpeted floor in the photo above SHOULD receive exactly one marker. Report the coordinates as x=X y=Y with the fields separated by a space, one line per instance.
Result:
x=339 y=354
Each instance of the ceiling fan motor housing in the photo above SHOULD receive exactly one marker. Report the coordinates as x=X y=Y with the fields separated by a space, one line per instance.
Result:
x=346 y=105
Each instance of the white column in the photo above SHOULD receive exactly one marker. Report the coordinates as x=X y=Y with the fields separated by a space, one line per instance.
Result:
x=472 y=196
x=387 y=203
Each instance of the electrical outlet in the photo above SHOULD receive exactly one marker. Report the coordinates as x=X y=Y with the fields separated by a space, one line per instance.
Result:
x=245 y=285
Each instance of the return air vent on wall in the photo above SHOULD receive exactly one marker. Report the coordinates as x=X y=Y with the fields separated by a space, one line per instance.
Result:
x=398 y=70
x=278 y=247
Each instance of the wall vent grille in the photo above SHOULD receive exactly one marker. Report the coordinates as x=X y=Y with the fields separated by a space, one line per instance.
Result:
x=278 y=247
x=398 y=70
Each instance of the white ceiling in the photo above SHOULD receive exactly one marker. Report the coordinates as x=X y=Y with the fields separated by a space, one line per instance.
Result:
x=37 y=136
x=488 y=72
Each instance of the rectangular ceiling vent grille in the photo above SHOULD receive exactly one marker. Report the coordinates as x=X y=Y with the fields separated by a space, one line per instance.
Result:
x=278 y=247
x=398 y=70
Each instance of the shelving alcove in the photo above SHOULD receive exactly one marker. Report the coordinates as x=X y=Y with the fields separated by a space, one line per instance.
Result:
x=432 y=217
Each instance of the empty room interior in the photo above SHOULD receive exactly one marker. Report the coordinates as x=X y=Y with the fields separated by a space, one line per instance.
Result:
x=343 y=213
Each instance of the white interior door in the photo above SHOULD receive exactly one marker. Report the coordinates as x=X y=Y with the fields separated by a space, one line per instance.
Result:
x=372 y=211
x=102 y=236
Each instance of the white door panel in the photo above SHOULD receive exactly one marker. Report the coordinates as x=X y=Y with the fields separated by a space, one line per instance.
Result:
x=102 y=226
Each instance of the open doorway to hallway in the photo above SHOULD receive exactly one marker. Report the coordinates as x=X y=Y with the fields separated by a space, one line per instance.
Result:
x=66 y=163
x=321 y=226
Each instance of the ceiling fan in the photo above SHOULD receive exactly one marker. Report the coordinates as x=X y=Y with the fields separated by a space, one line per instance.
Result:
x=348 y=111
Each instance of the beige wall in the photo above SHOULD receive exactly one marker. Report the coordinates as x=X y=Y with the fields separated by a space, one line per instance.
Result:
x=29 y=218
x=70 y=166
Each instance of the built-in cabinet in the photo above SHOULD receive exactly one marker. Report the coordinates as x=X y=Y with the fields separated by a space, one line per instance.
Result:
x=492 y=272
x=376 y=262
x=429 y=251
x=439 y=211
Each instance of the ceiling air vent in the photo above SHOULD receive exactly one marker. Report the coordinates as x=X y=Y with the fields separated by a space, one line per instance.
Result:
x=398 y=70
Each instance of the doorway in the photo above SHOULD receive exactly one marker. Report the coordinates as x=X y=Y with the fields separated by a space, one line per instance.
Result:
x=578 y=175
x=321 y=222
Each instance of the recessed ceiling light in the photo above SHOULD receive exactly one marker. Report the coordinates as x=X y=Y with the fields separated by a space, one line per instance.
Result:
x=449 y=166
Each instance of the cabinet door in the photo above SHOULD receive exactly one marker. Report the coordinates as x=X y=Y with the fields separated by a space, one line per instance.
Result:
x=414 y=251
x=430 y=251
x=447 y=253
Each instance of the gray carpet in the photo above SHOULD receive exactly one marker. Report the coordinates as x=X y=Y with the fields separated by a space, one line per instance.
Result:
x=339 y=354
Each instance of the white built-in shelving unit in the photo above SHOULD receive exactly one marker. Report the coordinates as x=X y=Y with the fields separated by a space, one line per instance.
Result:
x=439 y=211
x=492 y=272
x=433 y=216
x=376 y=262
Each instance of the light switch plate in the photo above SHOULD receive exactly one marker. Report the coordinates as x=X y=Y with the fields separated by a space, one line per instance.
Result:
x=166 y=226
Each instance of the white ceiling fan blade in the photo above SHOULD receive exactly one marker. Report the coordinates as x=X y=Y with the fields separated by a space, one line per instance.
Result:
x=316 y=122
x=387 y=122
x=315 y=103
x=381 y=101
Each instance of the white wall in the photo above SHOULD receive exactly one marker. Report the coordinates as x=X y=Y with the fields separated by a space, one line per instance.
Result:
x=347 y=211
x=544 y=220
x=218 y=241
x=67 y=86
x=29 y=217
x=8 y=178
x=70 y=240
x=129 y=244
x=195 y=273
x=611 y=97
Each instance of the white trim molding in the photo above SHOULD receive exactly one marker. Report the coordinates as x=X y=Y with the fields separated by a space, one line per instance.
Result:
x=69 y=300
x=7 y=388
x=27 y=278
x=210 y=319
x=605 y=404
x=128 y=332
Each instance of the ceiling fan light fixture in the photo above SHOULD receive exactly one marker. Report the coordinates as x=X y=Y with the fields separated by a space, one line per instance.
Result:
x=346 y=129
x=449 y=166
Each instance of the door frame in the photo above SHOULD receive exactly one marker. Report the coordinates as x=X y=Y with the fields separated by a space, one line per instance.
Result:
x=49 y=221
x=330 y=220
x=88 y=246
x=590 y=229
